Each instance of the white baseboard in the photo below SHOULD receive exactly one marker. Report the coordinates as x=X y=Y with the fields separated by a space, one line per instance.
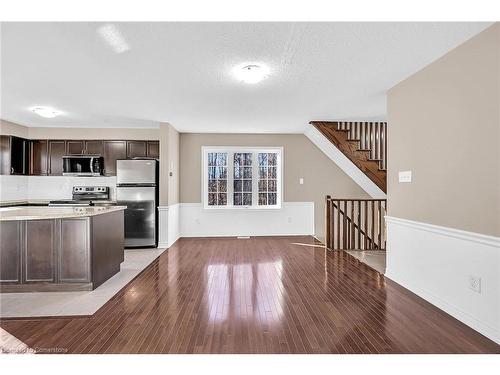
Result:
x=294 y=218
x=435 y=263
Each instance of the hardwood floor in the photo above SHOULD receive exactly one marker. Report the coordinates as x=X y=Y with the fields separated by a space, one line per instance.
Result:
x=260 y=295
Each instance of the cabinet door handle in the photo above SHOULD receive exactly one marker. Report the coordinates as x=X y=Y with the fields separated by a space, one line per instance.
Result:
x=11 y=170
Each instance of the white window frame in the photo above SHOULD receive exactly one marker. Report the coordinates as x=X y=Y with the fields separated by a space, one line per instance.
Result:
x=231 y=150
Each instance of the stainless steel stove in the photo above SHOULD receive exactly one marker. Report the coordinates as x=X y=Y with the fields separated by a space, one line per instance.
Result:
x=87 y=196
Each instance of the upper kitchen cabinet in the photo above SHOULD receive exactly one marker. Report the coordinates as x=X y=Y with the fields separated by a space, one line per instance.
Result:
x=94 y=148
x=82 y=147
x=153 y=149
x=75 y=147
x=14 y=153
x=39 y=157
x=57 y=149
x=113 y=151
x=136 y=149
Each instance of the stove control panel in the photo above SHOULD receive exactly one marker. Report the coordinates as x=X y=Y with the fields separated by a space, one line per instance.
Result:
x=90 y=189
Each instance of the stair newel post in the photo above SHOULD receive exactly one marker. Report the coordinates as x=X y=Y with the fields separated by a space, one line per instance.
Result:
x=327 y=221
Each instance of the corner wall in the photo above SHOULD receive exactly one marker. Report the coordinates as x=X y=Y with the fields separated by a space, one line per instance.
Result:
x=168 y=210
x=443 y=234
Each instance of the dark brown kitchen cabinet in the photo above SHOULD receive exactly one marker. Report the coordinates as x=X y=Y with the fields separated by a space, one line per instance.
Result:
x=75 y=147
x=57 y=149
x=10 y=254
x=74 y=259
x=38 y=157
x=153 y=149
x=5 y=154
x=113 y=151
x=39 y=251
x=94 y=147
x=136 y=149
x=14 y=154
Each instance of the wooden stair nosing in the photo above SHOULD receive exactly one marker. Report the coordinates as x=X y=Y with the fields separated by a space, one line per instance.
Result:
x=380 y=181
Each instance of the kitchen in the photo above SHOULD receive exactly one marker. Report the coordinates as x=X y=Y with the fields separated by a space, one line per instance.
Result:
x=56 y=180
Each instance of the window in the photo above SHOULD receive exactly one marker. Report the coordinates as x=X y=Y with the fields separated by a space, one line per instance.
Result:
x=235 y=177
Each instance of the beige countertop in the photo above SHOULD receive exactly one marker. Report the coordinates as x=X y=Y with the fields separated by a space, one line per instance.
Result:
x=40 y=213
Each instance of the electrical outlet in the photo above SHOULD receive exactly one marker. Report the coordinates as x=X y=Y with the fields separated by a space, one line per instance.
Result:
x=289 y=219
x=475 y=283
x=404 y=176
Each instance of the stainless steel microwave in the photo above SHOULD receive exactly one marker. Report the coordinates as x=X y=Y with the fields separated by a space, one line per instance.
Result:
x=83 y=165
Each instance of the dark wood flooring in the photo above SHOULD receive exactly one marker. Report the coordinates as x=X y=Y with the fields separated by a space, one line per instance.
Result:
x=261 y=295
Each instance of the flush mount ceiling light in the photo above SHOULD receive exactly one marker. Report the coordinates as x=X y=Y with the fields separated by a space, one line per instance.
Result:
x=251 y=73
x=110 y=34
x=46 y=112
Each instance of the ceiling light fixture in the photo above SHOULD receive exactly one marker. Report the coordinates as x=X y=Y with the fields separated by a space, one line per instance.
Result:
x=251 y=73
x=113 y=37
x=46 y=112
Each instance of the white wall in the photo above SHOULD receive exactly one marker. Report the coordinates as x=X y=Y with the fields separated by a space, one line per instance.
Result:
x=48 y=187
x=436 y=263
x=13 y=188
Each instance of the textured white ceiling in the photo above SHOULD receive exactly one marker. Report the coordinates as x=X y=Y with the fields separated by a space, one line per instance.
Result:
x=181 y=72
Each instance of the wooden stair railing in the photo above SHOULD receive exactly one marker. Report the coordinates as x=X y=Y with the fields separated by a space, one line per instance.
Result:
x=364 y=143
x=355 y=224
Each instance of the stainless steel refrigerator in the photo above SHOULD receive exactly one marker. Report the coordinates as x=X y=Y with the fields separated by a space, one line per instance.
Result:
x=137 y=188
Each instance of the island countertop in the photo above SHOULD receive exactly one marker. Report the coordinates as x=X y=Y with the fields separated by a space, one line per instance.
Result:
x=40 y=213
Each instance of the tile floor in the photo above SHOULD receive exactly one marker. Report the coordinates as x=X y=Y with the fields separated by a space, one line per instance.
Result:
x=17 y=305
x=373 y=258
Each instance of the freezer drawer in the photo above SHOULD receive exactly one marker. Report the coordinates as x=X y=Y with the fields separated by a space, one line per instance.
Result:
x=136 y=171
x=140 y=215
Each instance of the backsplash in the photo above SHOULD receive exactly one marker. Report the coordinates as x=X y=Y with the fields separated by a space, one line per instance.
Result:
x=13 y=188
x=48 y=187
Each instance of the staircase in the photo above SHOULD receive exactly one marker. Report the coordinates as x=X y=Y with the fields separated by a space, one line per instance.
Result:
x=355 y=224
x=363 y=143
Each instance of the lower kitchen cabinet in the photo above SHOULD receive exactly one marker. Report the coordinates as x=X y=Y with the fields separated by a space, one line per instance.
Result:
x=74 y=260
x=63 y=254
x=10 y=252
x=39 y=249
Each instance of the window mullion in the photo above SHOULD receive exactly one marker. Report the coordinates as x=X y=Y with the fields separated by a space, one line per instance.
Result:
x=255 y=179
x=230 y=178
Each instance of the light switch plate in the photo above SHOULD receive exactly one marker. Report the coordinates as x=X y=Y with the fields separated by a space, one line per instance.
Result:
x=404 y=176
x=301 y=181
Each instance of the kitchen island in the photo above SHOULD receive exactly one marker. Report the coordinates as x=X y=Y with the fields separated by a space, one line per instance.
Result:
x=59 y=248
